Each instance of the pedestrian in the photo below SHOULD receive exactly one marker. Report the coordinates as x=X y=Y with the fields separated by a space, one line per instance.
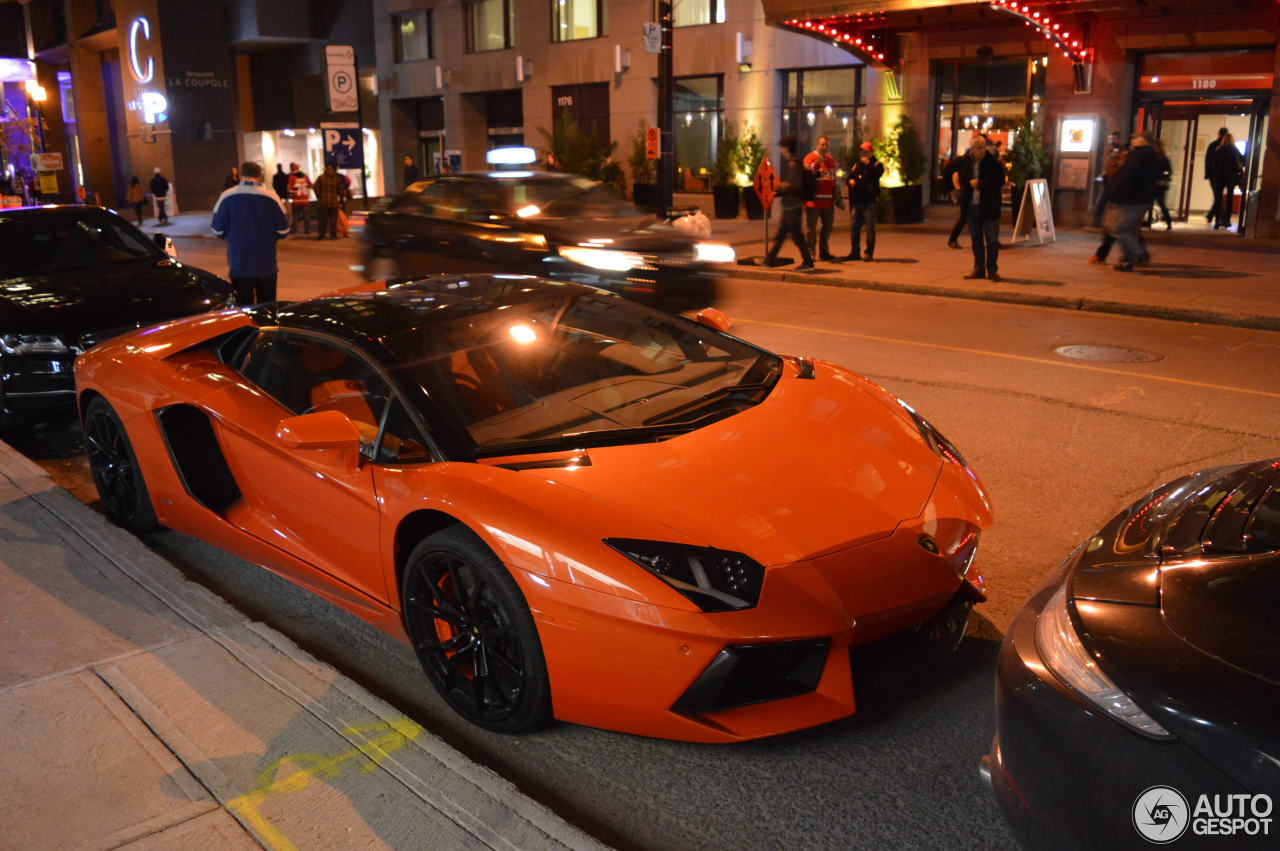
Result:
x=1228 y=169
x=1133 y=191
x=160 y=192
x=1115 y=154
x=329 y=192
x=251 y=219
x=981 y=179
x=951 y=174
x=819 y=211
x=300 y=197
x=864 y=198
x=136 y=197
x=1107 y=217
x=1210 y=174
x=280 y=183
x=232 y=179
x=1165 y=171
x=410 y=171
x=790 y=188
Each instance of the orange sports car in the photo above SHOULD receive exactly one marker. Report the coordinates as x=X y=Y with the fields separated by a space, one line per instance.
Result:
x=569 y=504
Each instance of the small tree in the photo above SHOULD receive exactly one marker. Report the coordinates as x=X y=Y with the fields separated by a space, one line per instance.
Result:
x=751 y=152
x=728 y=158
x=642 y=168
x=902 y=152
x=578 y=152
x=1028 y=160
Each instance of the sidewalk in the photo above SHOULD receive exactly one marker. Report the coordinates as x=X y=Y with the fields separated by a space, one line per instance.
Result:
x=1196 y=275
x=143 y=711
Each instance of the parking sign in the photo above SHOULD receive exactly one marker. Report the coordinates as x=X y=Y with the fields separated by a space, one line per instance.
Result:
x=342 y=145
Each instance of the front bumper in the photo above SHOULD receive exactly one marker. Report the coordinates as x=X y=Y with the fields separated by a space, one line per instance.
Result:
x=35 y=385
x=1066 y=775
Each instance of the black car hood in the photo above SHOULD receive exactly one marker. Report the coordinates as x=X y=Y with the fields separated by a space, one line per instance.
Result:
x=123 y=294
x=628 y=234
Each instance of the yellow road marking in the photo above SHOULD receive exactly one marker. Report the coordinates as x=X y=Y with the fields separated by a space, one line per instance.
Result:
x=380 y=741
x=1024 y=358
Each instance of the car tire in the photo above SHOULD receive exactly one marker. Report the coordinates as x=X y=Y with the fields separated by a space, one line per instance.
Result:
x=473 y=633
x=115 y=469
x=382 y=269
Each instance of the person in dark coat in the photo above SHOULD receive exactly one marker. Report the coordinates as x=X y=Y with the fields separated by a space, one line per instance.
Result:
x=1162 y=184
x=160 y=192
x=1210 y=162
x=791 y=196
x=864 y=196
x=951 y=174
x=1132 y=192
x=280 y=183
x=1115 y=161
x=232 y=179
x=1228 y=169
x=981 y=179
x=410 y=171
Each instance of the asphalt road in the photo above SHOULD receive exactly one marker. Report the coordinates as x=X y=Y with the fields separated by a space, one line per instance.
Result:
x=1060 y=443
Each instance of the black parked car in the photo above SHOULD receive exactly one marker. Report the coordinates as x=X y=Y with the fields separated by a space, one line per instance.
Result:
x=71 y=277
x=1141 y=689
x=540 y=223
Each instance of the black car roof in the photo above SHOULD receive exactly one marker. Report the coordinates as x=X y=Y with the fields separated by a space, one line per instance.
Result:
x=53 y=210
x=412 y=305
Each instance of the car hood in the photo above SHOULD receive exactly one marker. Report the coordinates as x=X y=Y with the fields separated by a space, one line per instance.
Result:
x=107 y=296
x=820 y=465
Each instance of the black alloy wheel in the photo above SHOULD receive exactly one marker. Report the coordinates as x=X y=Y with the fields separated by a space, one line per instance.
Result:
x=473 y=633
x=115 y=469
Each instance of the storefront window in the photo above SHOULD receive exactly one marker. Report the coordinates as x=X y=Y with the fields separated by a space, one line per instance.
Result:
x=824 y=102
x=692 y=13
x=699 y=119
x=984 y=96
x=412 y=34
x=574 y=19
x=489 y=25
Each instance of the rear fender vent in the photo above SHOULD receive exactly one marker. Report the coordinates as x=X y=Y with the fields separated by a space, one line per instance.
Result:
x=197 y=457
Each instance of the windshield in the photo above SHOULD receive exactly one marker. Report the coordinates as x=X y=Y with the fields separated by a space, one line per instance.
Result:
x=570 y=369
x=36 y=244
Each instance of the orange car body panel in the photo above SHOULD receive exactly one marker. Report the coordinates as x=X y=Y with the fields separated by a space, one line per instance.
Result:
x=826 y=482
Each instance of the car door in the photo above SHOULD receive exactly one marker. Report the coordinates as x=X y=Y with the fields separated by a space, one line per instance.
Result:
x=428 y=232
x=318 y=505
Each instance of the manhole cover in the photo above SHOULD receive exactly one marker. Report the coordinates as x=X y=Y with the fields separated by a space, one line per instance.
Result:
x=1112 y=354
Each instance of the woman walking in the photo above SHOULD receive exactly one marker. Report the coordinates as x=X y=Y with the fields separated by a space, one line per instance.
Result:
x=136 y=196
x=1228 y=168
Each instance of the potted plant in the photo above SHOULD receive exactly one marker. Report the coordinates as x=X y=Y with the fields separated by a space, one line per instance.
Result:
x=724 y=187
x=582 y=153
x=643 y=189
x=1028 y=160
x=902 y=152
x=751 y=152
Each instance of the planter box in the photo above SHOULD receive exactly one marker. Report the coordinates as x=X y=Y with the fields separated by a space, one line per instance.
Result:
x=750 y=200
x=726 y=201
x=645 y=195
x=908 y=208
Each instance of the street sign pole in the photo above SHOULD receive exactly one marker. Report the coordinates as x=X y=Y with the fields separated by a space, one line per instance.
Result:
x=364 y=184
x=666 y=121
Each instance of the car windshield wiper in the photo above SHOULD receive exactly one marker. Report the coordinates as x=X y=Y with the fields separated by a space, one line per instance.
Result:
x=581 y=439
x=750 y=394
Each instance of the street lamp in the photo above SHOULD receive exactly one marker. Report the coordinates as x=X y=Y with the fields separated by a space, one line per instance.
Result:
x=37 y=93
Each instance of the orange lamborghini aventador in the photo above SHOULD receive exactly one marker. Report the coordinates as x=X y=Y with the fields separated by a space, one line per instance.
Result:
x=569 y=504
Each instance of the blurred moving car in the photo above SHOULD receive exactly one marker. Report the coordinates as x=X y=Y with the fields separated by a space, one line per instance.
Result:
x=570 y=504
x=1151 y=662
x=540 y=223
x=71 y=277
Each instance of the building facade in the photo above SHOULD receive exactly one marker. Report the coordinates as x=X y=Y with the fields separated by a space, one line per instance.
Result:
x=190 y=88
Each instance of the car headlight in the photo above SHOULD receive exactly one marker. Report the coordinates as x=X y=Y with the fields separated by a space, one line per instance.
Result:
x=32 y=344
x=715 y=580
x=714 y=252
x=602 y=258
x=939 y=444
x=1066 y=656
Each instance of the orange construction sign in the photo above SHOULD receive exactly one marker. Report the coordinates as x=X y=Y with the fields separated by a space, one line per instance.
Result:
x=766 y=183
x=652 y=143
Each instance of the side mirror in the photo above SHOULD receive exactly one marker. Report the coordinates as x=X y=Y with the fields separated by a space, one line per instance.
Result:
x=166 y=245
x=322 y=430
x=715 y=319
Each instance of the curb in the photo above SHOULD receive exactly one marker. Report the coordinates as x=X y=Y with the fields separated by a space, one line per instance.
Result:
x=1087 y=304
